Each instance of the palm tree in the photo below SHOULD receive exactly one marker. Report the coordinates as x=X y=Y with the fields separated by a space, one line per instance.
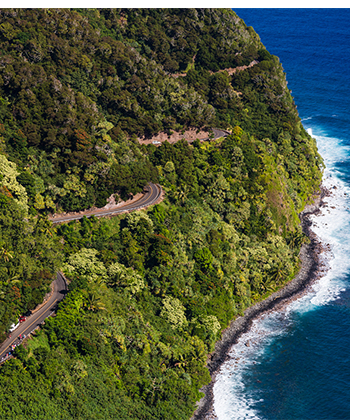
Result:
x=182 y=193
x=44 y=226
x=278 y=272
x=118 y=279
x=4 y=254
x=98 y=282
x=93 y=302
x=296 y=239
x=13 y=280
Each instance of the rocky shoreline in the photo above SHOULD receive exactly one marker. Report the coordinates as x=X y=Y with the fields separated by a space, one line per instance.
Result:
x=312 y=268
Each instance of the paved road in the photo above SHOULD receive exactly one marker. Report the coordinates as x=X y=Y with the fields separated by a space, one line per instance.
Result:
x=217 y=134
x=220 y=133
x=151 y=195
x=34 y=320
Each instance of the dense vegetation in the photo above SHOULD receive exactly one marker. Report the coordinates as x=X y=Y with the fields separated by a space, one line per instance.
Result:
x=76 y=87
x=150 y=291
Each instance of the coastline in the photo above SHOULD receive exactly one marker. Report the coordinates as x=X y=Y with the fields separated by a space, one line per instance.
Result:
x=311 y=269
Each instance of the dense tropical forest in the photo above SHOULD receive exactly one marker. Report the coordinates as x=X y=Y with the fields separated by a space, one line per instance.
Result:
x=150 y=291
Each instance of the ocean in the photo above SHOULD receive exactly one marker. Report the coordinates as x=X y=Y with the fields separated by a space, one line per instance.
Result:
x=295 y=364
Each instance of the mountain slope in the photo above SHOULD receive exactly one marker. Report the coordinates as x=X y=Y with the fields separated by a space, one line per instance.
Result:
x=150 y=291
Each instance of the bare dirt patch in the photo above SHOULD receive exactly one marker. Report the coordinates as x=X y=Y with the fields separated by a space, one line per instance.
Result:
x=189 y=135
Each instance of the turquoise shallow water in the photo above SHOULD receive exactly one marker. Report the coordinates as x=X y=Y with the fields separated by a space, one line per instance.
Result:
x=297 y=364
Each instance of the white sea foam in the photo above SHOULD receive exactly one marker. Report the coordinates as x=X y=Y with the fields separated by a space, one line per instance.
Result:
x=232 y=401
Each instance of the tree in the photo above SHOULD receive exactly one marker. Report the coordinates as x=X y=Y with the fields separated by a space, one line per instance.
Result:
x=5 y=254
x=9 y=173
x=93 y=302
x=174 y=312
x=204 y=258
x=85 y=263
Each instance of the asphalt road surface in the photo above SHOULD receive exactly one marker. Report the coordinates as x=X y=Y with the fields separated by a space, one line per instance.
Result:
x=38 y=317
x=151 y=195
x=216 y=135
x=219 y=133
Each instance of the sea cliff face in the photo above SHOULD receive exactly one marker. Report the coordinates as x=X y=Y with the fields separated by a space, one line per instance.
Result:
x=150 y=291
x=312 y=268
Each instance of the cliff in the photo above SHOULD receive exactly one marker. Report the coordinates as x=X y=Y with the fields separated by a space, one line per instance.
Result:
x=151 y=291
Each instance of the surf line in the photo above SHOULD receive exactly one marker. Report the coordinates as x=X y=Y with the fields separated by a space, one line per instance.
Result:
x=312 y=268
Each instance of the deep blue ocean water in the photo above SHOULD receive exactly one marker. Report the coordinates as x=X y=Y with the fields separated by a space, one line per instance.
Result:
x=297 y=363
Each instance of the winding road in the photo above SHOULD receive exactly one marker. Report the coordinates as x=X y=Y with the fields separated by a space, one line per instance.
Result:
x=216 y=134
x=37 y=318
x=220 y=133
x=152 y=194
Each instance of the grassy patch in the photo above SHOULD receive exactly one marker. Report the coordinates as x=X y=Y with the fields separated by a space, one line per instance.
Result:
x=38 y=340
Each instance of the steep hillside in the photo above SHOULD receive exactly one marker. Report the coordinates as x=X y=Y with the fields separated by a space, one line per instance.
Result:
x=151 y=291
x=76 y=85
